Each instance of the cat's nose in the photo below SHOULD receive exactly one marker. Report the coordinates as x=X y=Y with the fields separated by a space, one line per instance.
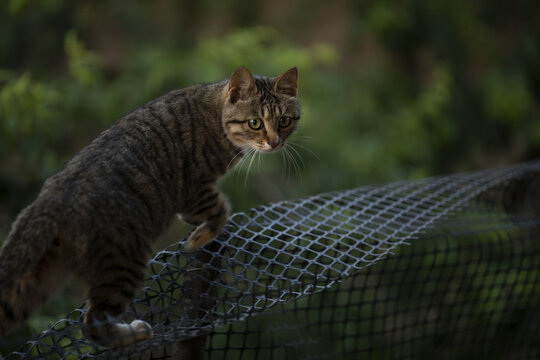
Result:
x=273 y=142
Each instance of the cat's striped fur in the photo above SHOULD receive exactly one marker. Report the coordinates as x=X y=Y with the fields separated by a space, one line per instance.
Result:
x=99 y=215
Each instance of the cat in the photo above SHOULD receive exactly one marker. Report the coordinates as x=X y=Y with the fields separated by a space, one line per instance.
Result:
x=98 y=216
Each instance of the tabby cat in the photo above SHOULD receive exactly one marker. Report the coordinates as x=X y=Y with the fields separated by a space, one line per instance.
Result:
x=98 y=216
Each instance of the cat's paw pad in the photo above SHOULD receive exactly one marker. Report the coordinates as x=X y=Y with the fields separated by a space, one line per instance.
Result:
x=136 y=331
x=199 y=237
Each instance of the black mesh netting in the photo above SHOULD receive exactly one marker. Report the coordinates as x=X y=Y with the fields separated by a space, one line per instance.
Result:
x=445 y=267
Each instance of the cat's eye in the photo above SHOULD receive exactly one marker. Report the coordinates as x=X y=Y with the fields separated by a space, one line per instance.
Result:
x=284 y=121
x=255 y=124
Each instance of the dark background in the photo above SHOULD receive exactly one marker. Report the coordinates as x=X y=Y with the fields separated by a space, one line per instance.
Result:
x=389 y=90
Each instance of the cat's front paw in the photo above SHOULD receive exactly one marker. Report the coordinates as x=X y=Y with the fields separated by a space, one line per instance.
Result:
x=199 y=237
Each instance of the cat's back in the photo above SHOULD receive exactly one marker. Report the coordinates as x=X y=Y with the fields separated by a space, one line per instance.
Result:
x=124 y=162
x=115 y=148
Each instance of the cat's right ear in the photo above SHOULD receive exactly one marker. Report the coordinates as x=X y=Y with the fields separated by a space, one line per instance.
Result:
x=241 y=85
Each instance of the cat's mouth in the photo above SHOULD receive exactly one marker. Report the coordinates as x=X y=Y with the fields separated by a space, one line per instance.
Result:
x=267 y=148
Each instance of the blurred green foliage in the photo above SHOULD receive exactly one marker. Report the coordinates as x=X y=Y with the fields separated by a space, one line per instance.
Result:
x=389 y=90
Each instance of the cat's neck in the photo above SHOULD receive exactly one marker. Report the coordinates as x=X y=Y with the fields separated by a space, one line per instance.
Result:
x=212 y=97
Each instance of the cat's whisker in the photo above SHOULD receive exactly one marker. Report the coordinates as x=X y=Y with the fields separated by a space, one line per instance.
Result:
x=235 y=156
x=249 y=166
x=284 y=163
x=303 y=138
x=288 y=162
x=306 y=149
x=248 y=160
x=297 y=153
x=240 y=164
x=259 y=161
x=294 y=163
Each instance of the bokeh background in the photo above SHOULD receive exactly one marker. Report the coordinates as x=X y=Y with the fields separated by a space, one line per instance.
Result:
x=389 y=90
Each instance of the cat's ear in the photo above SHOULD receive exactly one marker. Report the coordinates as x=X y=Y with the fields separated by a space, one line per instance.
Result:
x=286 y=82
x=241 y=85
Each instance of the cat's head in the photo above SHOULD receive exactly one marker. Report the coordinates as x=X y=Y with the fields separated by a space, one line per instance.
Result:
x=260 y=112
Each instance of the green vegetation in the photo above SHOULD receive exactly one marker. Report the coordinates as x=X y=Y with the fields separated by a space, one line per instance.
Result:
x=389 y=91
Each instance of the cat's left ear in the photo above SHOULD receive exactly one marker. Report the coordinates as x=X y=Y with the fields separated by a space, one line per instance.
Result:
x=286 y=82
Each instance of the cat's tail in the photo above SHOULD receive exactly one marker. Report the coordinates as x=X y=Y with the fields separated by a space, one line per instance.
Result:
x=30 y=269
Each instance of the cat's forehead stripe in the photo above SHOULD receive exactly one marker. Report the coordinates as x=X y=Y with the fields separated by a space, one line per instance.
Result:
x=265 y=87
x=277 y=110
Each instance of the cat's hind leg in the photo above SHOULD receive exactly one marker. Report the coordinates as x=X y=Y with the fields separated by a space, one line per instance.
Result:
x=111 y=288
x=101 y=322
x=109 y=332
